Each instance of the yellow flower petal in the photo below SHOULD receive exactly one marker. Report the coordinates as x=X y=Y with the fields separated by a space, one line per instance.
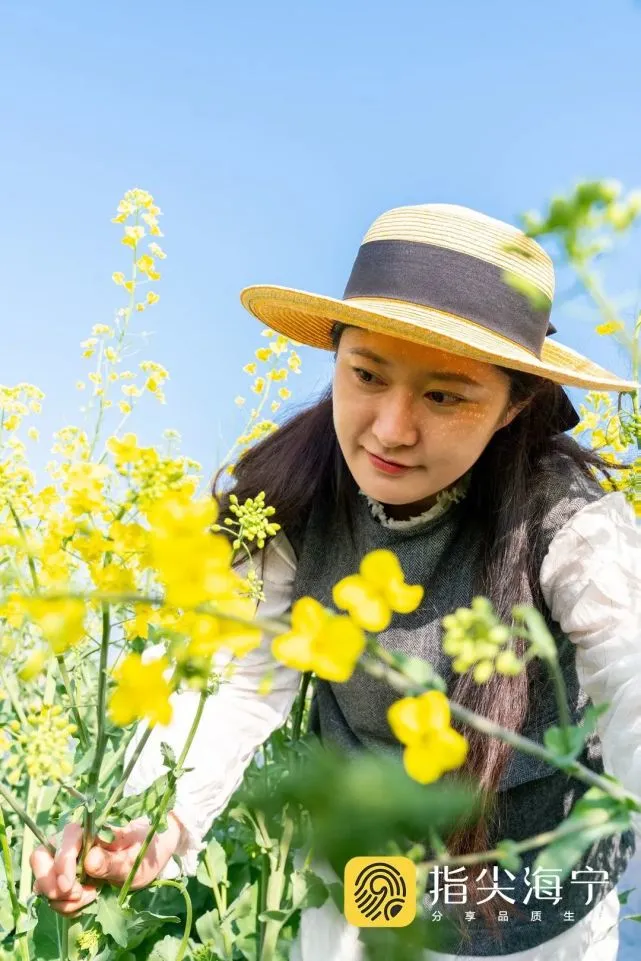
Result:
x=403 y=598
x=404 y=719
x=452 y=748
x=434 y=710
x=365 y=605
x=294 y=650
x=422 y=763
x=381 y=566
x=308 y=616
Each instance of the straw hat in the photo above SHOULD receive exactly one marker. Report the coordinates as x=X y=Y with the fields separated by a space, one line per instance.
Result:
x=437 y=274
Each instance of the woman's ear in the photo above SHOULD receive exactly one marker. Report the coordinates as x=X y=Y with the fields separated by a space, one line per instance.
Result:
x=509 y=416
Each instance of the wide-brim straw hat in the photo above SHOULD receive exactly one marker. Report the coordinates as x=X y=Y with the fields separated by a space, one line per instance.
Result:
x=448 y=277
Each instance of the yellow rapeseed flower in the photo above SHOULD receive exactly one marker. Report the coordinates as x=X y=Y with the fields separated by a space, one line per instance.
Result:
x=320 y=641
x=125 y=450
x=432 y=747
x=62 y=621
x=141 y=691
x=611 y=327
x=377 y=591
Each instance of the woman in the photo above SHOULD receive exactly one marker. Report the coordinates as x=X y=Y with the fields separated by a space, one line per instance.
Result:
x=442 y=439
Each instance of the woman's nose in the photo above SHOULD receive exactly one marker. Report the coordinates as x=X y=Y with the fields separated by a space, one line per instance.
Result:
x=395 y=422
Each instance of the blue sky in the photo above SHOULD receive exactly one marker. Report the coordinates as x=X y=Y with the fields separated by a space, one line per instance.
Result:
x=272 y=134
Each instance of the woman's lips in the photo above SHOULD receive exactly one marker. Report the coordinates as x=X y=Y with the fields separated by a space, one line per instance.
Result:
x=386 y=466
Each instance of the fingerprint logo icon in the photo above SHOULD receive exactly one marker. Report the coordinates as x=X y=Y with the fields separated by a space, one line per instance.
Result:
x=380 y=892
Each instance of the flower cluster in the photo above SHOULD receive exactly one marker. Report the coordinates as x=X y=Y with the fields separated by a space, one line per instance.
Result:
x=44 y=742
x=257 y=429
x=252 y=520
x=476 y=636
x=378 y=590
x=432 y=747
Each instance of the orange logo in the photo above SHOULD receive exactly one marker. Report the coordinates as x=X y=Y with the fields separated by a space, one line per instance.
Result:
x=380 y=892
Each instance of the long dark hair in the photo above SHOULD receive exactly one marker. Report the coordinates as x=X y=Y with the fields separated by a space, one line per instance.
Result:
x=302 y=461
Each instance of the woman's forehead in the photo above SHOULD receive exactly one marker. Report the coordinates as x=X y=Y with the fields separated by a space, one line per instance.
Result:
x=397 y=351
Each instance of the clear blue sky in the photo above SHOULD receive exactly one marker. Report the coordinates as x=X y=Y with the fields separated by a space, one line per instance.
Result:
x=272 y=134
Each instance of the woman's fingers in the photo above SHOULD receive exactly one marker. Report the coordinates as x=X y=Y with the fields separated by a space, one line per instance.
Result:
x=64 y=898
x=127 y=835
x=113 y=862
x=114 y=866
x=71 y=906
x=66 y=858
x=44 y=873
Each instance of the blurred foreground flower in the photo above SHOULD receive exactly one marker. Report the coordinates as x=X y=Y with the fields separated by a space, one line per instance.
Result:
x=329 y=644
x=377 y=591
x=432 y=746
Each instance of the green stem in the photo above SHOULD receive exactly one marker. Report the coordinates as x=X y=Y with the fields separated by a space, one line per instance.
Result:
x=34 y=796
x=101 y=735
x=8 y=871
x=59 y=658
x=164 y=801
x=261 y=903
x=117 y=793
x=220 y=897
x=189 y=909
x=26 y=818
x=567 y=829
x=275 y=889
x=62 y=927
x=300 y=707
x=128 y=312
x=117 y=757
x=10 y=686
x=397 y=679
x=66 y=680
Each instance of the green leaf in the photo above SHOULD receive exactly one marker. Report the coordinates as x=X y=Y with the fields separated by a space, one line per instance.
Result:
x=509 y=859
x=624 y=896
x=591 y=716
x=146 y=802
x=562 y=855
x=168 y=756
x=165 y=950
x=213 y=865
x=6 y=912
x=308 y=890
x=112 y=918
x=420 y=672
x=536 y=297
x=273 y=916
x=554 y=741
x=45 y=933
x=208 y=926
x=243 y=906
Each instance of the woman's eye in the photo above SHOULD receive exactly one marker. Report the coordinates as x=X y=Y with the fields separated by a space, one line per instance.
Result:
x=440 y=393
x=454 y=400
x=360 y=370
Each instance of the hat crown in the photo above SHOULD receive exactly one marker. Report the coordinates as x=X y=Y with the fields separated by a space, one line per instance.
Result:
x=470 y=232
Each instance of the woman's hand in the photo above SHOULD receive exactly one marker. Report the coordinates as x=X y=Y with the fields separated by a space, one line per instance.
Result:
x=55 y=876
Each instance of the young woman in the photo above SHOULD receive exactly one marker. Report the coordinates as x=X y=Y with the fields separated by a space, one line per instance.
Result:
x=441 y=438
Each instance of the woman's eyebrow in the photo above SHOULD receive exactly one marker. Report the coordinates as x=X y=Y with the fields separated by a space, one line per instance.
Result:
x=444 y=375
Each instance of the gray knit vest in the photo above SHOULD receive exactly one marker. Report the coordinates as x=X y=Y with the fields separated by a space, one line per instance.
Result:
x=442 y=553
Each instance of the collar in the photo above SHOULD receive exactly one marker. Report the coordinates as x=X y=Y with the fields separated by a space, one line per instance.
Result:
x=444 y=500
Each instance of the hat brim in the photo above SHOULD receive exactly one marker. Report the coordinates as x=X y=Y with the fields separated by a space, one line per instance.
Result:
x=308 y=319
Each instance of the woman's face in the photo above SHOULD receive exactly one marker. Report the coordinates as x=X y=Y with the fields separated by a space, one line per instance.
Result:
x=429 y=410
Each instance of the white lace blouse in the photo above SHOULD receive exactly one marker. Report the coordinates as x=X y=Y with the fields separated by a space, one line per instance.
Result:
x=591 y=582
